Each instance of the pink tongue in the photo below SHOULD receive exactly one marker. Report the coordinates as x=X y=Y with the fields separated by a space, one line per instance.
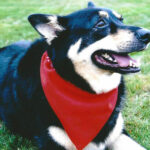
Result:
x=123 y=61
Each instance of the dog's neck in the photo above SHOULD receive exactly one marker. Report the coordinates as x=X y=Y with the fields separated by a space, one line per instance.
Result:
x=100 y=81
x=84 y=74
x=74 y=103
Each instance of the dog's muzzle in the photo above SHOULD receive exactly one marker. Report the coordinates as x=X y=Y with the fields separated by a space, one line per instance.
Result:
x=121 y=62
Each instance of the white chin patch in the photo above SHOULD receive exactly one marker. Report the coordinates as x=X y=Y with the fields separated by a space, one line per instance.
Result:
x=101 y=81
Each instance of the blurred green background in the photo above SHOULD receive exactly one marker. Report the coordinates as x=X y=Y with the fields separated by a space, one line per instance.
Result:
x=14 y=26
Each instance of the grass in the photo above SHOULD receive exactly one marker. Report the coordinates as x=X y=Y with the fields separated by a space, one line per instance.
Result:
x=14 y=26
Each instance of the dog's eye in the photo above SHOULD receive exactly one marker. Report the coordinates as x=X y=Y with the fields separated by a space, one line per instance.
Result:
x=101 y=23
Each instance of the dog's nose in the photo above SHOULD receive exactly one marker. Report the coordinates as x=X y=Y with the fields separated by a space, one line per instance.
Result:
x=144 y=35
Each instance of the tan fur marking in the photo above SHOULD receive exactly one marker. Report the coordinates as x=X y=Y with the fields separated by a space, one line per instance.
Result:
x=103 y=14
x=123 y=38
x=117 y=15
x=100 y=80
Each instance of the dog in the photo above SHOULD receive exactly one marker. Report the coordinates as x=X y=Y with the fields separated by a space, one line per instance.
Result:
x=89 y=49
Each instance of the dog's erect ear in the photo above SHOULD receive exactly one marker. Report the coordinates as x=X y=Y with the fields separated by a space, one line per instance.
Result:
x=47 y=25
x=91 y=4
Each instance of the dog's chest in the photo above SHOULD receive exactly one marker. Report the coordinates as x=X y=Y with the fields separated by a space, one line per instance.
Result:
x=61 y=138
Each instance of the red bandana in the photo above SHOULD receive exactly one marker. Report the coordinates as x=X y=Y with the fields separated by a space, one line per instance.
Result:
x=82 y=114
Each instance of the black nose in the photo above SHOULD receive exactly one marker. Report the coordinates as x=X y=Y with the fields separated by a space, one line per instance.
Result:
x=144 y=35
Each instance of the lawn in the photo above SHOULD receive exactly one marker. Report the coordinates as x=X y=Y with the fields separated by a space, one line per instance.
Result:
x=14 y=26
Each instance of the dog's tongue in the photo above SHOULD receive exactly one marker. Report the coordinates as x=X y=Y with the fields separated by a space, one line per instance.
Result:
x=123 y=60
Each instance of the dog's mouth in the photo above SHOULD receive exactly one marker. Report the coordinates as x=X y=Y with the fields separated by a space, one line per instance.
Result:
x=118 y=62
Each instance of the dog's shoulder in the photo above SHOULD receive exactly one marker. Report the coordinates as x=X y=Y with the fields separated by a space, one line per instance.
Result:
x=20 y=60
x=9 y=57
x=21 y=54
x=30 y=61
x=9 y=54
x=12 y=49
x=22 y=47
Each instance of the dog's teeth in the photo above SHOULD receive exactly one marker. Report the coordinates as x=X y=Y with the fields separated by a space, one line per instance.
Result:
x=109 y=58
x=133 y=64
x=106 y=55
x=130 y=63
x=136 y=65
x=115 y=60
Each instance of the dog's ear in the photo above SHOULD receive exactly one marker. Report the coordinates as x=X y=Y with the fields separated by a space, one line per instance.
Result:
x=47 y=25
x=91 y=4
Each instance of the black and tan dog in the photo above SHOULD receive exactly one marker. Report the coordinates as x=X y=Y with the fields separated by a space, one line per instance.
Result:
x=88 y=48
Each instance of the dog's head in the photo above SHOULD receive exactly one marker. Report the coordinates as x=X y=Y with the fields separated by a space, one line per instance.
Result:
x=92 y=43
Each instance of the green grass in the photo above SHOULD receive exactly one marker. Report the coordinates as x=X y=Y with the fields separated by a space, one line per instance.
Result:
x=14 y=26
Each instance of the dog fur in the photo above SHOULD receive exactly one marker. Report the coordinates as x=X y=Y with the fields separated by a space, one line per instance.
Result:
x=70 y=42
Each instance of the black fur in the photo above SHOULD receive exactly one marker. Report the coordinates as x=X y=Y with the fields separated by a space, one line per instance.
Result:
x=112 y=120
x=23 y=106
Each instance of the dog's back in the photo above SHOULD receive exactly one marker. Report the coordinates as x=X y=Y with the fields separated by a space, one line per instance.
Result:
x=10 y=56
x=18 y=87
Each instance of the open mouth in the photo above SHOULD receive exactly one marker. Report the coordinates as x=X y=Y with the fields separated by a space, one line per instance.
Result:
x=118 y=62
